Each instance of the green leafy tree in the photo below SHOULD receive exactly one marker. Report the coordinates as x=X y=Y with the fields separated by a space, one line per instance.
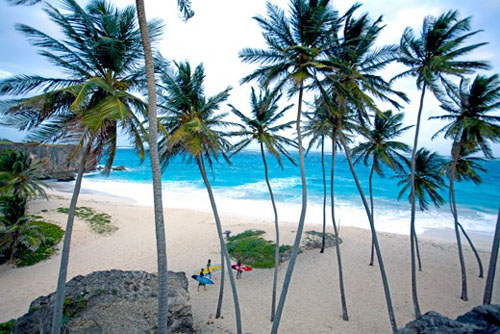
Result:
x=262 y=127
x=380 y=149
x=294 y=43
x=431 y=58
x=101 y=53
x=192 y=129
x=471 y=127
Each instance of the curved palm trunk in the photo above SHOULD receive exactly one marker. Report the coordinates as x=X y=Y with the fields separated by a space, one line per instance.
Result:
x=345 y=315
x=474 y=250
x=385 y=283
x=324 y=193
x=414 y=293
x=461 y=259
x=161 y=247
x=371 y=210
x=201 y=166
x=490 y=277
x=418 y=252
x=276 y=227
x=221 y=287
x=300 y=226
x=63 y=269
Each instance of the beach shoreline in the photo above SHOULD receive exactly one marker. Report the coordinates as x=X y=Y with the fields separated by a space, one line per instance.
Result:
x=313 y=304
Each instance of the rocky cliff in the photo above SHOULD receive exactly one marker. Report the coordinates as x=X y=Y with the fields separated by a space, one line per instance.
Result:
x=50 y=160
x=113 y=302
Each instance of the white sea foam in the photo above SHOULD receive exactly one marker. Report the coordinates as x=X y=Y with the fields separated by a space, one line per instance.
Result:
x=389 y=216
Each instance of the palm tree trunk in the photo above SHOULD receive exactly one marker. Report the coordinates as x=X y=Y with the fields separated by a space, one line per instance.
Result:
x=324 y=193
x=276 y=227
x=63 y=269
x=417 y=248
x=416 y=306
x=385 y=283
x=371 y=209
x=490 y=277
x=345 y=315
x=201 y=166
x=300 y=226
x=474 y=250
x=161 y=244
x=461 y=259
x=221 y=287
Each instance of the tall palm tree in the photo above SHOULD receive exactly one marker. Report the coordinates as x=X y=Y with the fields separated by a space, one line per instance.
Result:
x=431 y=57
x=193 y=130
x=101 y=54
x=294 y=44
x=490 y=278
x=351 y=80
x=262 y=127
x=471 y=127
x=381 y=149
x=161 y=246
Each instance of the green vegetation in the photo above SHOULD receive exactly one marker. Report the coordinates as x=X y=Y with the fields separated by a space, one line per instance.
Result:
x=72 y=308
x=7 y=327
x=99 y=222
x=253 y=249
x=52 y=235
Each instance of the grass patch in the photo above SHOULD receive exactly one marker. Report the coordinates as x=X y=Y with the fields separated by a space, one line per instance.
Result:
x=253 y=250
x=99 y=222
x=72 y=308
x=7 y=327
x=52 y=235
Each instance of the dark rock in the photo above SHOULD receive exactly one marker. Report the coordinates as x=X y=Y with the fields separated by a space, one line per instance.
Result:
x=119 y=168
x=313 y=239
x=112 y=302
x=484 y=319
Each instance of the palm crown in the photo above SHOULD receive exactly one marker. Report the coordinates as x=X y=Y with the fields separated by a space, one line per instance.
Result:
x=102 y=55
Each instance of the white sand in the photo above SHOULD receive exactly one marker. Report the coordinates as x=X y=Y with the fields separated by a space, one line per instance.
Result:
x=313 y=303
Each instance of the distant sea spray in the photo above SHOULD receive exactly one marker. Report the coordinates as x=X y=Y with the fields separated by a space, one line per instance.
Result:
x=240 y=189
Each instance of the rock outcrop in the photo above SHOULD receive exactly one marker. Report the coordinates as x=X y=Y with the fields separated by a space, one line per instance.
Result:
x=113 y=302
x=484 y=319
x=51 y=160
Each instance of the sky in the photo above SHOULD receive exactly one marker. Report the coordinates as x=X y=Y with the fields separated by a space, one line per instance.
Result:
x=221 y=28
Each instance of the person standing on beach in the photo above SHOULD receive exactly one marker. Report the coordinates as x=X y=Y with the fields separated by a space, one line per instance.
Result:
x=238 y=268
x=209 y=264
x=202 y=274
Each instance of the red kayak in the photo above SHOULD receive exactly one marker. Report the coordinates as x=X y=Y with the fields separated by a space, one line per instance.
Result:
x=242 y=267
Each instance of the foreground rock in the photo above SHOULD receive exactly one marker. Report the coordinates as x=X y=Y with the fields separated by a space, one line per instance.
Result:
x=112 y=302
x=484 y=319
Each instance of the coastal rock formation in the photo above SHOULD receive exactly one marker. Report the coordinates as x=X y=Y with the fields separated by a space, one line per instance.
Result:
x=484 y=319
x=113 y=302
x=51 y=160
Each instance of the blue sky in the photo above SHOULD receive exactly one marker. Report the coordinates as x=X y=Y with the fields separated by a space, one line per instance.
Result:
x=221 y=28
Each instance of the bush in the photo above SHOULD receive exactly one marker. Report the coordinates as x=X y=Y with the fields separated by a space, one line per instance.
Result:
x=52 y=236
x=253 y=250
x=7 y=327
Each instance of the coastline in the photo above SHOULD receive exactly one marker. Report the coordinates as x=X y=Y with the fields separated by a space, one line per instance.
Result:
x=313 y=303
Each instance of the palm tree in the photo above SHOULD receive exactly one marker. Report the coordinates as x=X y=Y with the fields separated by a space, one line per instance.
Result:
x=102 y=56
x=471 y=127
x=351 y=81
x=262 y=128
x=431 y=57
x=161 y=246
x=192 y=131
x=381 y=149
x=294 y=44
x=490 y=278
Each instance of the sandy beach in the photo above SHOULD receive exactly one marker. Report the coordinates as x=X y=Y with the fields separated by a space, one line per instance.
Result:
x=313 y=304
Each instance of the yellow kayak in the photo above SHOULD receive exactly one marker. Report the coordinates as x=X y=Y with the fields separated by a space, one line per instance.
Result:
x=213 y=268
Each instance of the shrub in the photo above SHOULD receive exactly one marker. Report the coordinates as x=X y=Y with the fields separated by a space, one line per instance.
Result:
x=52 y=236
x=7 y=327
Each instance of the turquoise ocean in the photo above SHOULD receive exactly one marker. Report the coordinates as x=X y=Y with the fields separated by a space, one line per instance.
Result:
x=240 y=190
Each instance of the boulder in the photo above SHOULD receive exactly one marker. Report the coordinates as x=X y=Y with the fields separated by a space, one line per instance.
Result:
x=119 y=168
x=112 y=302
x=484 y=319
x=313 y=239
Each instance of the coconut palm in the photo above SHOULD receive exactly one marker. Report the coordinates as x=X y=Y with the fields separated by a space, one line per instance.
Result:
x=490 y=277
x=294 y=43
x=161 y=246
x=471 y=127
x=350 y=85
x=194 y=132
x=101 y=54
x=380 y=148
x=432 y=57
x=262 y=127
